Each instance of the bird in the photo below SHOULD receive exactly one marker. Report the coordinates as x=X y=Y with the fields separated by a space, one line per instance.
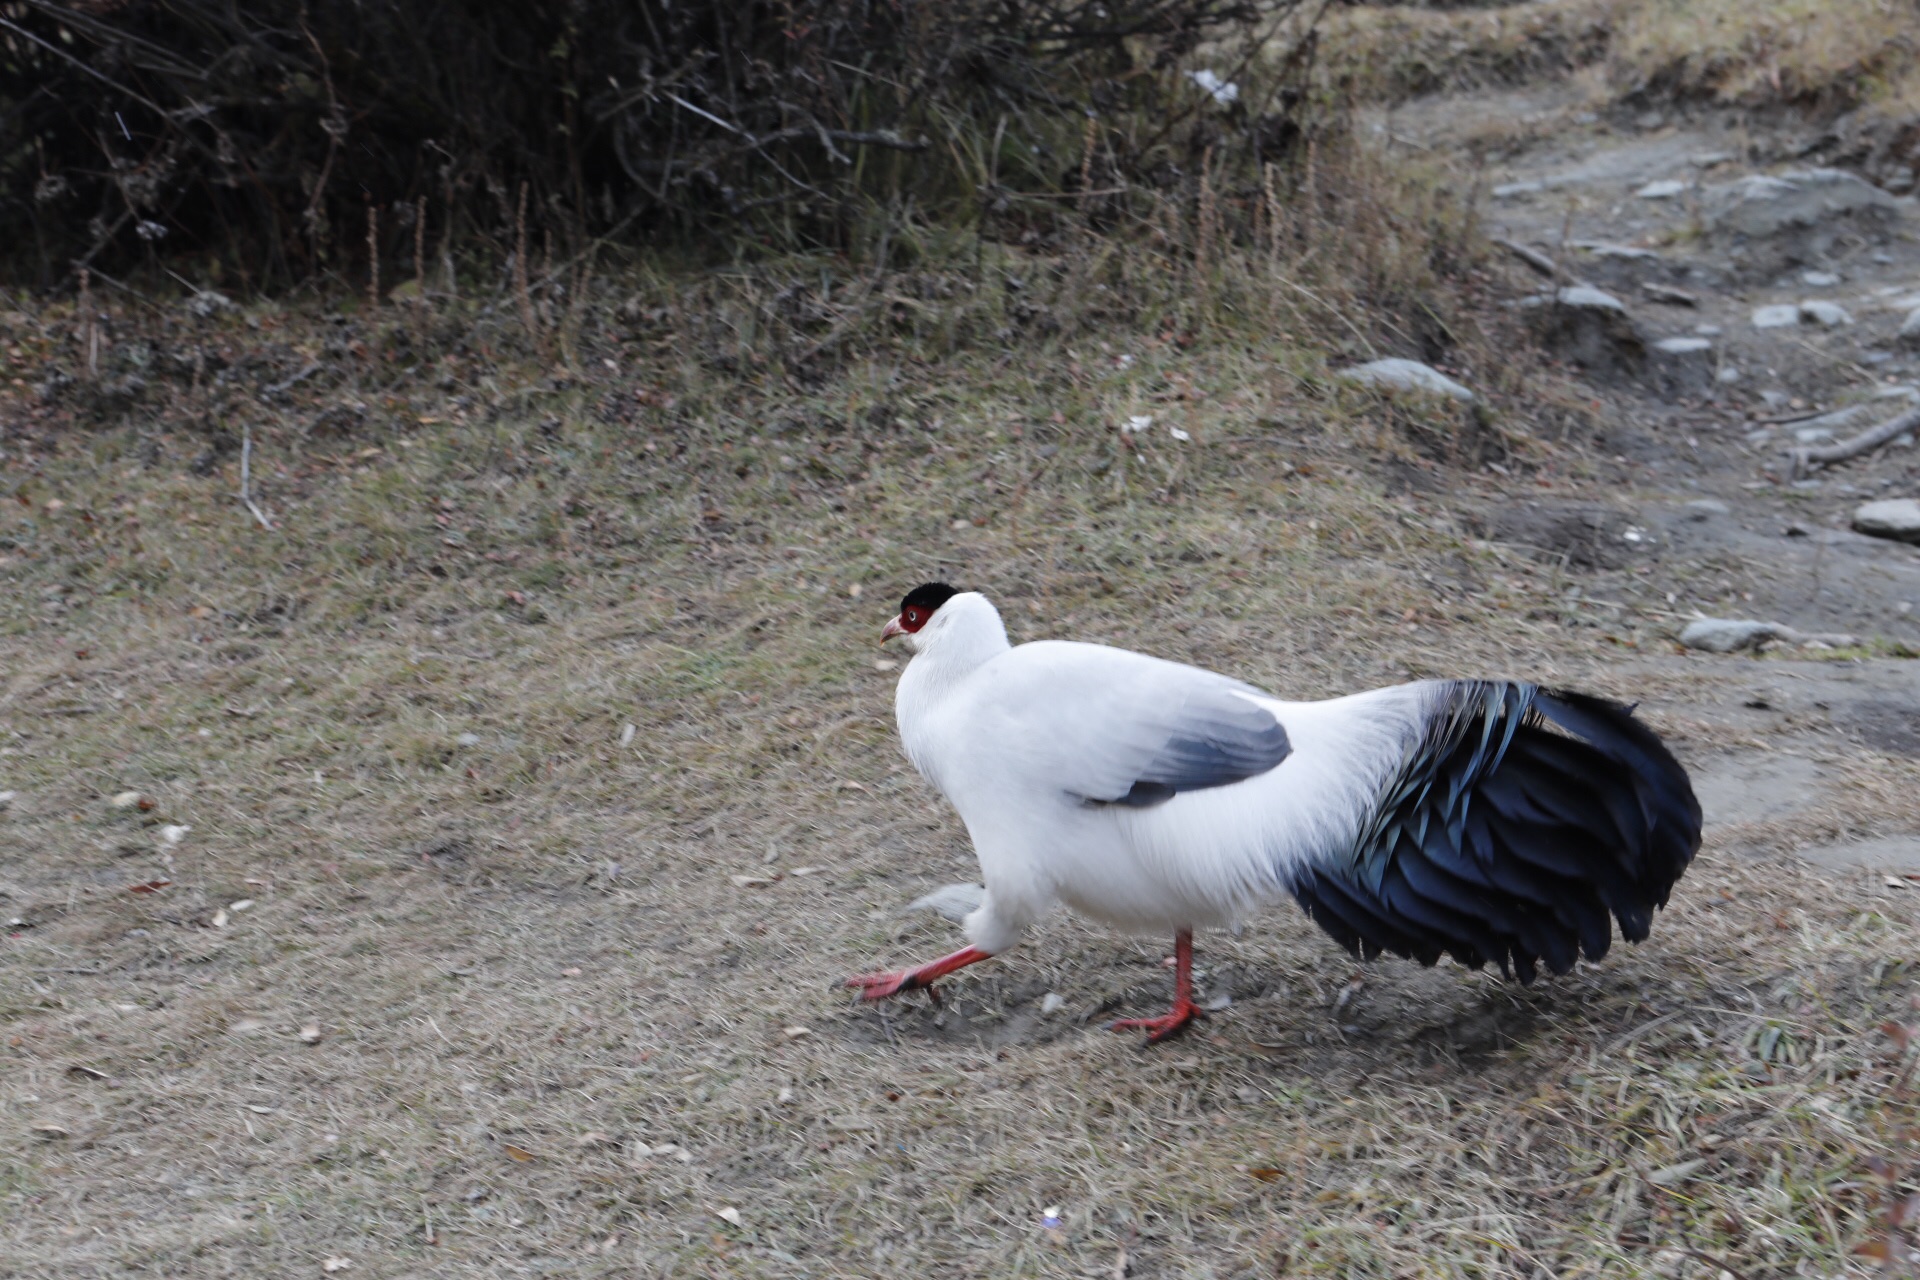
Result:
x=1493 y=821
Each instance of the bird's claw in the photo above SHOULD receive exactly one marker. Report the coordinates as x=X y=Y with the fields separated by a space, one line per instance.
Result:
x=1165 y=1026
x=878 y=986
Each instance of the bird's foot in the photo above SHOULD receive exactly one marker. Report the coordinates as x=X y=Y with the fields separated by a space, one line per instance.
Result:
x=878 y=986
x=1167 y=1025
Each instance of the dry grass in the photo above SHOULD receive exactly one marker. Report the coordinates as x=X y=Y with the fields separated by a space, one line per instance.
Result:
x=1820 y=52
x=398 y=727
x=1825 y=54
x=1399 y=51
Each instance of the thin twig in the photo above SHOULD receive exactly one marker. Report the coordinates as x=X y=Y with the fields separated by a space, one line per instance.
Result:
x=1804 y=458
x=246 y=478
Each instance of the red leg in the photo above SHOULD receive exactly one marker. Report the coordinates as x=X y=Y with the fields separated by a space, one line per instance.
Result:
x=1184 y=1010
x=878 y=986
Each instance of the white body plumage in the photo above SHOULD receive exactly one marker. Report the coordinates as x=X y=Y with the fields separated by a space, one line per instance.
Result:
x=1026 y=742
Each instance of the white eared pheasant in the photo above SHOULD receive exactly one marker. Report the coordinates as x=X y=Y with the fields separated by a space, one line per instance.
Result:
x=1486 y=820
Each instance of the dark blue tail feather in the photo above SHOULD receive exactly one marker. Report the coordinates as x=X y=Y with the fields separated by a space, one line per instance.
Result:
x=1526 y=819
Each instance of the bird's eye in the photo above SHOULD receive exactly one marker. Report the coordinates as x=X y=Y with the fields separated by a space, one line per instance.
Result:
x=913 y=615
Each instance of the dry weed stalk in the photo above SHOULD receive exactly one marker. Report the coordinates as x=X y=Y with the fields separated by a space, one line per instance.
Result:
x=89 y=325
x=1088 y=140
x=420 y=271
x=522 y=293
x=373 y=259
x=1206 y=218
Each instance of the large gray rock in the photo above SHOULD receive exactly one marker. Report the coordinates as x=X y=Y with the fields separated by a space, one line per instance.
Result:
x=1895 y=518
x=1798 y=218
x=1396 y=374
x=1727 y=635
x=1679 y=367
x=1593 y=330
x=1909 y=335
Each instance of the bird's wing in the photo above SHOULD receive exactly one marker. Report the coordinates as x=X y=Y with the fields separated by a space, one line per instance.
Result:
x=1109 y=727
x=1511 y=826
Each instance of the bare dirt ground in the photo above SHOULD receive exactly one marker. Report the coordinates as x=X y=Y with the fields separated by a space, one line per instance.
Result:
x=456 y=879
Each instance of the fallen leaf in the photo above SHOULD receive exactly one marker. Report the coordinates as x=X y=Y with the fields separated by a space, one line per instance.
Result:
x=219 y=920
x=884 y=664
x=785 y=1095
x=626 y=735
x=125 y=800
x=51 y=1132
x=310 y=1033
x=730 y=1215
x=794 y=1033
x=518 y=1153
x=570 y=973
x=594 y=1139
x=241 y=905
x=173 y=834
x=199 y=611
x=1674 y=1173
x=260 y=1110
x=151 y=886
x=806 y=871
x=751 y=882
x=86 y=1073
x=1265 y=1174
x=856 y=591
x=847 y=784
x=515 y=597
x=336 y=1264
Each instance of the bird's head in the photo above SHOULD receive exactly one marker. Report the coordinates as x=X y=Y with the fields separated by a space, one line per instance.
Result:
x=920 y=619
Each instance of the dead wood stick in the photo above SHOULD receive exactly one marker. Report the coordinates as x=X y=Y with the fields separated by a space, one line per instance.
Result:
x=1898 y=425
x=1532 y=257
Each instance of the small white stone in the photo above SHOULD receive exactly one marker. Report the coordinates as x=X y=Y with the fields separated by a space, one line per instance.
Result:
x=1682 y=346
x=1405 y=375
x=1053 y=1002
x=1829 y=315
x=1779 y=316
x=1664 y=189
x=1580 y=295
x=1819 y=279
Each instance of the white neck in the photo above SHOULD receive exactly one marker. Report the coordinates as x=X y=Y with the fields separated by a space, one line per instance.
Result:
x=961 y=637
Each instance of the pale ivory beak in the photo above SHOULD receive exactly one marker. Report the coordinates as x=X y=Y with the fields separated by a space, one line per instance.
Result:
x=893 y=629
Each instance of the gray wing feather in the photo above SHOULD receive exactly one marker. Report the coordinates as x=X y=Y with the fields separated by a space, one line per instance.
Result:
x=1114 y=727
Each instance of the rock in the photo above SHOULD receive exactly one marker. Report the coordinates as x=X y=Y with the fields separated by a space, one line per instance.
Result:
x=1798 y=218
x=1681 y=367
x=1626 y=252
x=1895 y=518
x=1395 y=374
x=1585 y=535
x=1779 y=316
x=1819 y=279
x=1592 y=329
x=951 y=901
x=1664 y=189
x=1909 y=335
x=1705 y=508
x=1514 y=190
x=1727 y=635
x=1899 y=854
x=1831 y=315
